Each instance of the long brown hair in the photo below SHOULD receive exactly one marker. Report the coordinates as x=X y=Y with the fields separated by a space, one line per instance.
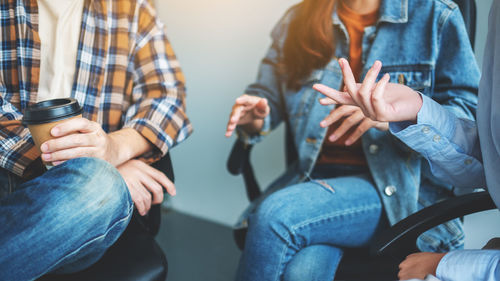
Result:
x=309 y=43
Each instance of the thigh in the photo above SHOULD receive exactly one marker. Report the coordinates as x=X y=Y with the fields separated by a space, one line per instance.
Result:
x=343 y=211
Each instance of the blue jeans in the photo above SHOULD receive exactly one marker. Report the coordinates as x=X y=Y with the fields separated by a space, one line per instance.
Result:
x=298 y=233
x=62 y=221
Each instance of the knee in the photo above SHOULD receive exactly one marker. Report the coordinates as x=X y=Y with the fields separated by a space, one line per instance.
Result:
x=274 y=215
x=93 y=184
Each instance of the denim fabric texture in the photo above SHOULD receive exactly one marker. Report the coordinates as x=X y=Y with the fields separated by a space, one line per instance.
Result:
x=298 y=233
x=62 y=221
x=422 y=44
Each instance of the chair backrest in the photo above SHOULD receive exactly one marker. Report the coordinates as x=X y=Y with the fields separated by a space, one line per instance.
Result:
x=468 y=9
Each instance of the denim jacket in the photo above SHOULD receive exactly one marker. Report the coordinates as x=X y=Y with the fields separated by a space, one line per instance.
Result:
x=421 y=43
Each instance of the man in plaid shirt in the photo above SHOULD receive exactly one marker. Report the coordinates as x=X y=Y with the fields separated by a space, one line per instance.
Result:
x=131 y=88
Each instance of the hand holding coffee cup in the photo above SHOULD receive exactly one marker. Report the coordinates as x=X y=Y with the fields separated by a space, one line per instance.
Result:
x=66 y=135
x=43 y=116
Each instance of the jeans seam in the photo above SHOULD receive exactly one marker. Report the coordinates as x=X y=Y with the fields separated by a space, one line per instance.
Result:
x=283 y=254
x=93 y=239
x=334 y=215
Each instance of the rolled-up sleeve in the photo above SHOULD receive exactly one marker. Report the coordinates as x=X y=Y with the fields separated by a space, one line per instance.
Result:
x=158 y=110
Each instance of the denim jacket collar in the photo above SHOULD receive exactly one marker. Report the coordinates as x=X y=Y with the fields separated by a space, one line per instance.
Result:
x=394 y=11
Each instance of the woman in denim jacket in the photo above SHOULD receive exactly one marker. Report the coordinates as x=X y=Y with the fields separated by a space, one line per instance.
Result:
x=340 y=191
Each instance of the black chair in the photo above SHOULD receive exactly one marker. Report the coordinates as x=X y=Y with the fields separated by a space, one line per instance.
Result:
x=380 y=261
x=135 y=256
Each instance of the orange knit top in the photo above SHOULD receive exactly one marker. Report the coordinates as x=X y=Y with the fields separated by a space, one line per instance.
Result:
x=337 y=152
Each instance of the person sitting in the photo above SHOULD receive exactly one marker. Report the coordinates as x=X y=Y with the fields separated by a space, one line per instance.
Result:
x=114 y=58
x=351 y=177
x=461 y=152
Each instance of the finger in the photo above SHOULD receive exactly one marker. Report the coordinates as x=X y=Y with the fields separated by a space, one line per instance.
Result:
x=243 y=99
x=365 y=91
x=261 y=109
x=364 y=126
x=74 y=125
x=137 y=197
x=233 y=120
x=327 y=101
x=145 y=198
x=346 y=125
x=153 y=187
x=337 y=96
x=349 y=80
x=167 y=184
x=71 y=153
x=378 y=104
x=57 y=163
x=162 y=179
x=247 y=100
x=401 y=275
x=66 y=142
x=336 y=114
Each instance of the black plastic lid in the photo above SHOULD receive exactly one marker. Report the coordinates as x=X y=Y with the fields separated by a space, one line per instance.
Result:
x=51 y=110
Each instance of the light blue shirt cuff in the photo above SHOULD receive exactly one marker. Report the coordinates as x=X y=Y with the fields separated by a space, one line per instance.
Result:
x=467 y=265
x=435 y=127
x=431 y=114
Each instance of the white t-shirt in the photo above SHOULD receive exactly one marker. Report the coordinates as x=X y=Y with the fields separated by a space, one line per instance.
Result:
x=59 y=28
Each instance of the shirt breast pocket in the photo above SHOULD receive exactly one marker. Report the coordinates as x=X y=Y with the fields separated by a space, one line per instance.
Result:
x=417 y=77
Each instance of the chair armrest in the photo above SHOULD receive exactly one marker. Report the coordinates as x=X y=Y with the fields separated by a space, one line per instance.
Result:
x=239 y=163
x=400 y=240
x=238 y=158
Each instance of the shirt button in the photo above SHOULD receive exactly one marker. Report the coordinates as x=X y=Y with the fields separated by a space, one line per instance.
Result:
x=468 y=161
x=437 y=138
x=373 y=148
x=426 y=130
x=390 y=190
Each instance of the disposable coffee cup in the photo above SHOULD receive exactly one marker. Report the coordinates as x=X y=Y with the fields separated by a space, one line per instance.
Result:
x=43 y=116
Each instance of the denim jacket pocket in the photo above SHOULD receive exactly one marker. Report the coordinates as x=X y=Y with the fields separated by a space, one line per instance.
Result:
x=417 y=76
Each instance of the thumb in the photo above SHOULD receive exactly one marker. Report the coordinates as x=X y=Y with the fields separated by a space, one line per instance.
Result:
x=261 y=108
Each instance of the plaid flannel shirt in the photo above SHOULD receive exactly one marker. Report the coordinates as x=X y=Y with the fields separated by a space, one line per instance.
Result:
x=126 y=76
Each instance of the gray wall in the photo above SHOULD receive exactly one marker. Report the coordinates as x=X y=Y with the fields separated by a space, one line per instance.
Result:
x=219 y=44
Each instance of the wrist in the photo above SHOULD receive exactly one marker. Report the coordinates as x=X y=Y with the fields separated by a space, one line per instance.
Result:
x=418 y=104
x=127 y=144
x=253 y=127
x=118 y=151
x=439 y=257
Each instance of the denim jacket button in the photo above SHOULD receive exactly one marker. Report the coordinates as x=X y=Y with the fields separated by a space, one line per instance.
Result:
x=311 y=140
x=390 y=190
x=437 y=138
x=373 y=148
x=426 y=130
x=468 y=161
